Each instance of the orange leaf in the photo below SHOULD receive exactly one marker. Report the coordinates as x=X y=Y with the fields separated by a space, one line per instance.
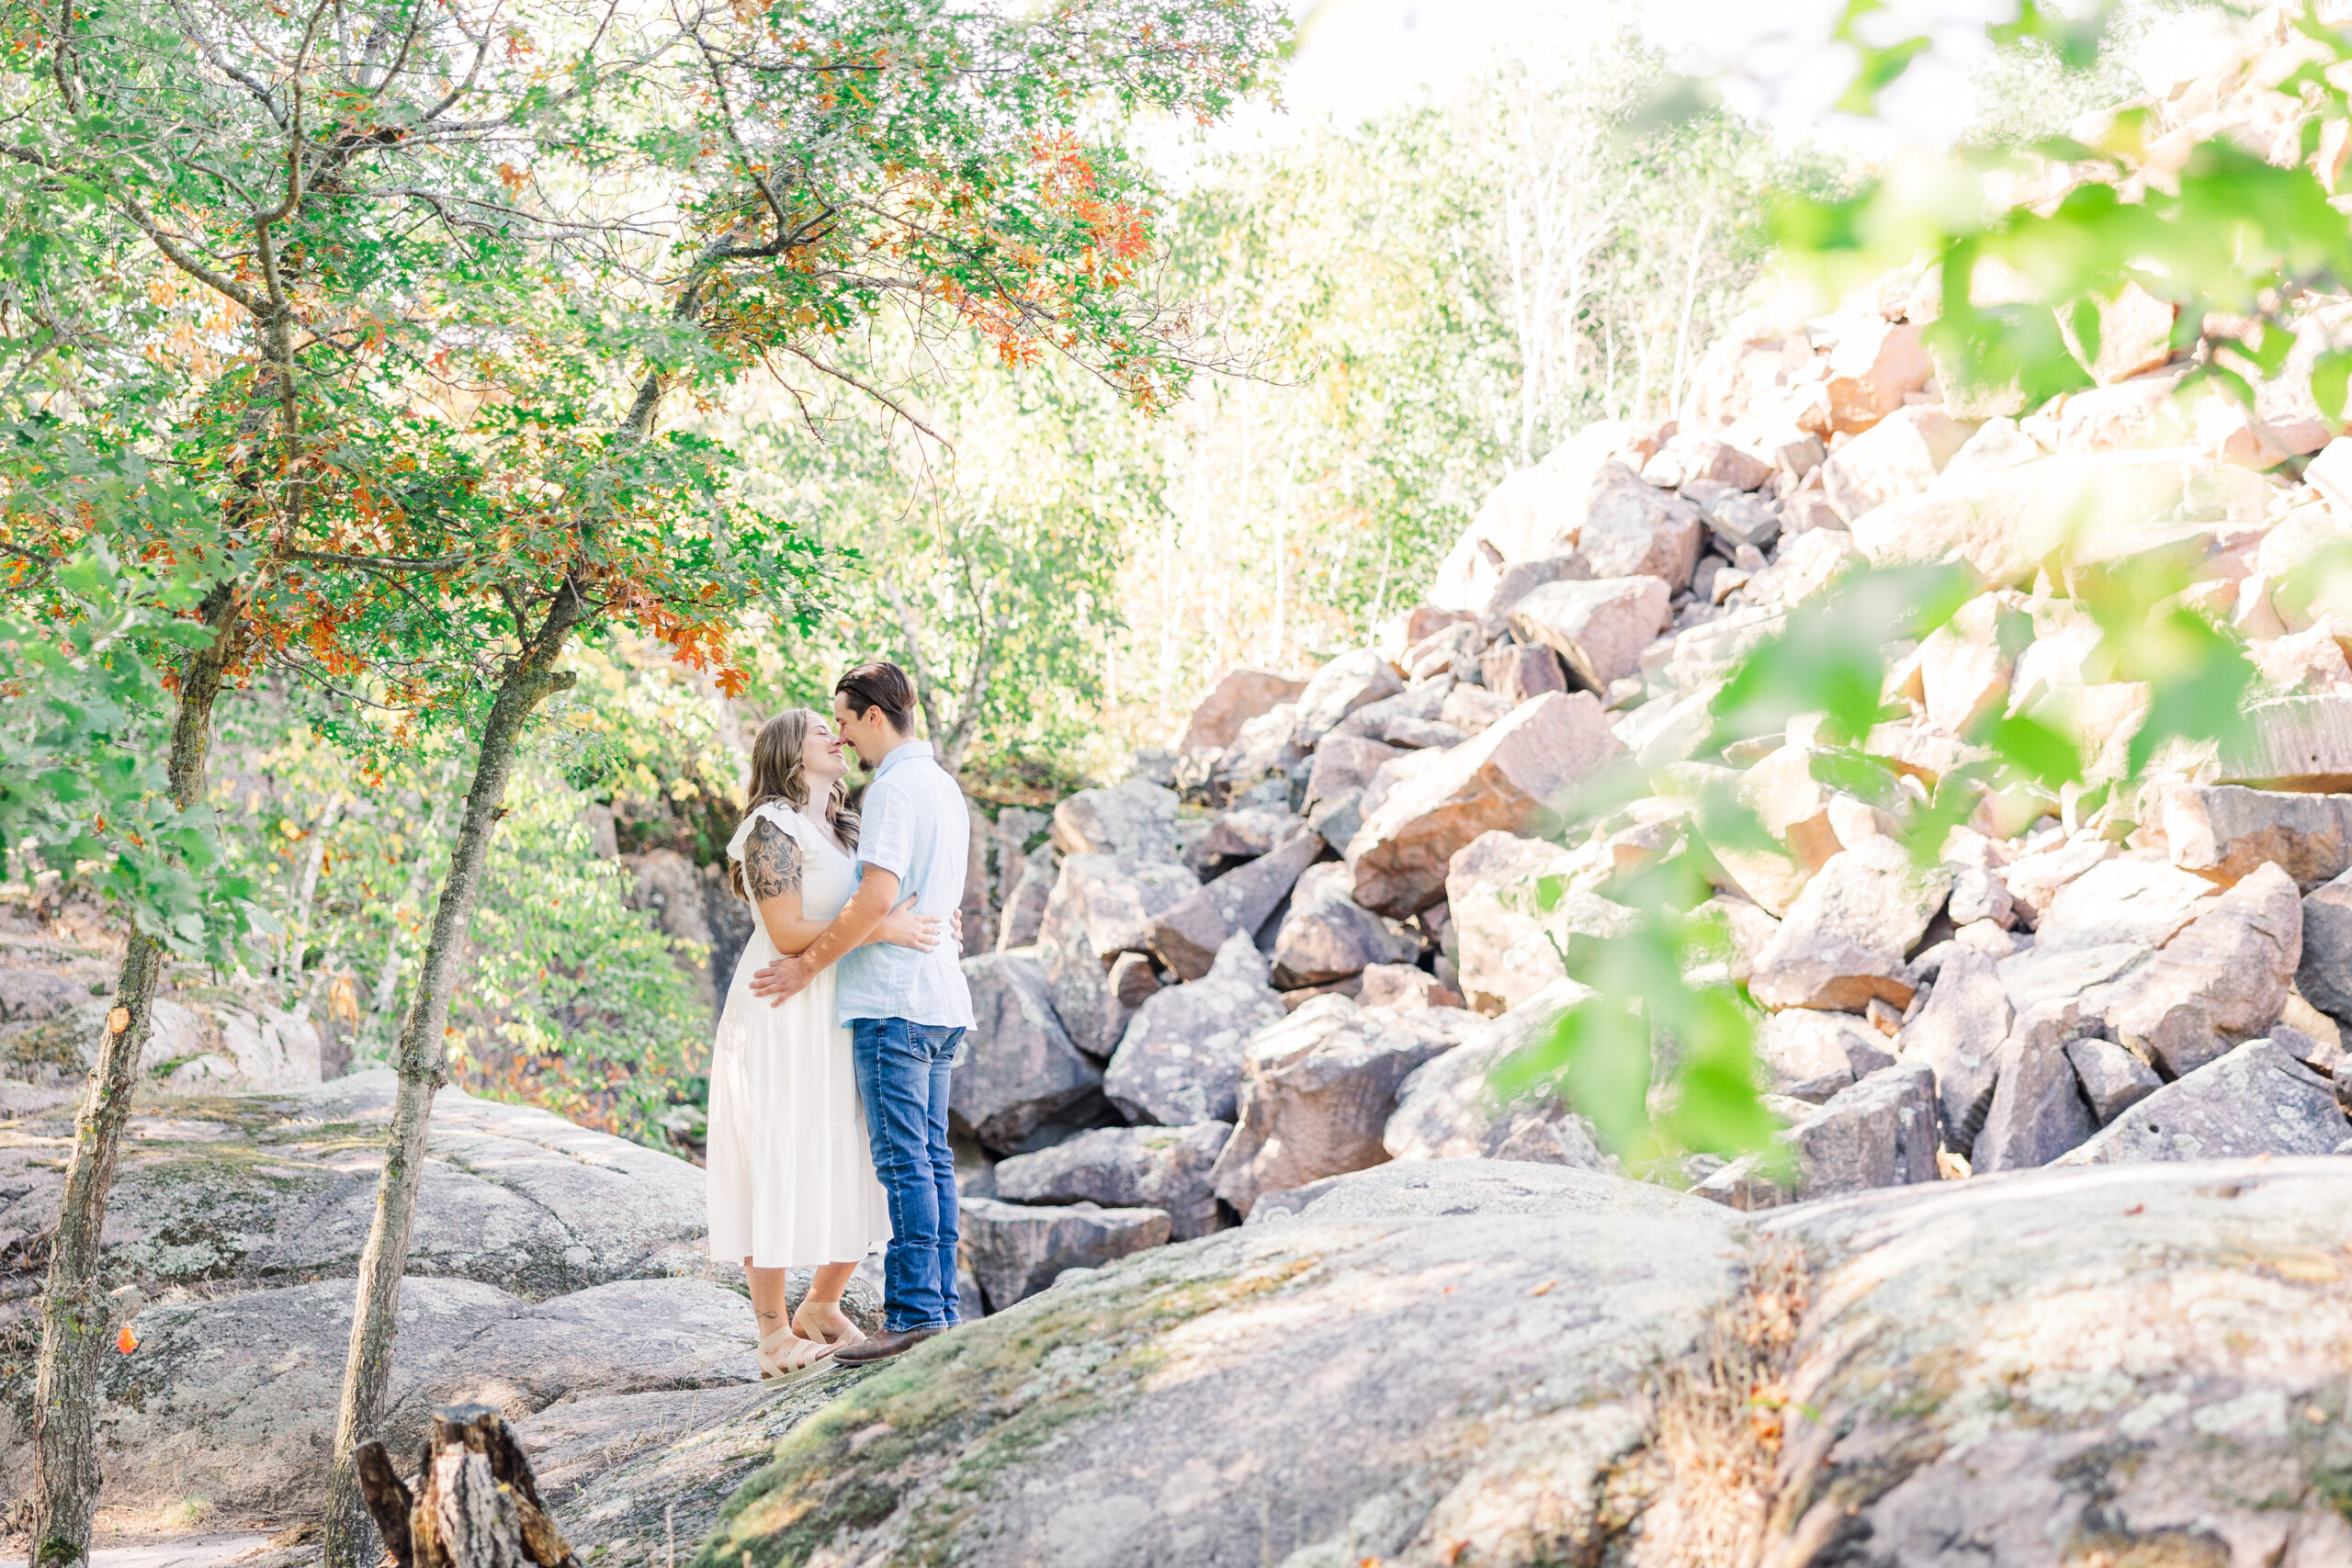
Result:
x=126 y=1341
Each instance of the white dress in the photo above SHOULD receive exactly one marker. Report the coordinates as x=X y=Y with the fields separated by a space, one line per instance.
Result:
x=791 y=1173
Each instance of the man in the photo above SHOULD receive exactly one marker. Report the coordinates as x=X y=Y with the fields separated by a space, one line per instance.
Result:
x=906 y=1008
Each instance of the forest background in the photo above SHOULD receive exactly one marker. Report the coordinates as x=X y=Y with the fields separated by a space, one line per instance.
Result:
x=1407 y=308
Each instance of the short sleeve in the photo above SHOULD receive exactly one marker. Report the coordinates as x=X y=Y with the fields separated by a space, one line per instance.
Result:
x=886 y=832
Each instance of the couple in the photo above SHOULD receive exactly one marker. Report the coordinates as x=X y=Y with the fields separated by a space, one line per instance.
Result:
x=846 y=998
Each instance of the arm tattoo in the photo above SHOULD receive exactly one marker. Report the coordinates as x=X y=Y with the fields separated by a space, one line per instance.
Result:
x=771 y=863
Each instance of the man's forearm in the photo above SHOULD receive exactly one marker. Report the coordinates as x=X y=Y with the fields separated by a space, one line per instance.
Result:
x=850 y=928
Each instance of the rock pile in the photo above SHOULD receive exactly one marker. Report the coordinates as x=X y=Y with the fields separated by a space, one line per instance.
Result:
x=1335 y=904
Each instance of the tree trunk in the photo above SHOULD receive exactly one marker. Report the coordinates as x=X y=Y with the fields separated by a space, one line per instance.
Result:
x=73 y=1313
x=422 y=1059
x=477 y=1504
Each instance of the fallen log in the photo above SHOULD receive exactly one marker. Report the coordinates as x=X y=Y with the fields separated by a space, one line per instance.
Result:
x=477 y=1504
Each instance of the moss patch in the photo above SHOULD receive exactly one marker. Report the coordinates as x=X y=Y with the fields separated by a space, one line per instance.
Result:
x=936 y=1430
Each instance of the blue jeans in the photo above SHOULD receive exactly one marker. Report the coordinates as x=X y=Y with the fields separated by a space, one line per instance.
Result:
x=902 y=1077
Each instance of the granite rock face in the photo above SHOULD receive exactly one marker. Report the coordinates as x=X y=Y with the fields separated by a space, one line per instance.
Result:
x=1021 y=1080
x=1154 y=1167
x=1180 y=1060
x=1015 y=1250
x=2257 y=1099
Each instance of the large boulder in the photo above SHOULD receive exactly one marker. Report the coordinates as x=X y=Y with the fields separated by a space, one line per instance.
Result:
x=1101 y=906
x=1513 y=916
x=2221 y=980
x=1444 y=1189
x=1512 y=777
x=2038 y=1111
x=1845 y=938
x=2083 y=510
x=1152 y=1167
x=2069 y=1366
x=1634 y=529
x=1350 y=682
x=1452 y=1107
x=1899 y=456
x=1016 y=1251
x=1180 y=1061
x=1266 y=749
x=2295 y=743
x=1022 y=1082
x=1600 y=627
x=233 y=1399
x=2324 y=974
x=1814 y=1055
x=1878 y=1132
x=2257 y=1099
x=1263 y=1363
x=1957 y=1035
x=1326 y=935
x=2224 y=832
x=1317 y=1089
x=1135 y=820
x=277 y=1188
x=1187 y=935
x=1239 y=697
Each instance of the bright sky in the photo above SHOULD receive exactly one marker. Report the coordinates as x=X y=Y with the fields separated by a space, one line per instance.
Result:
x=1773 y=58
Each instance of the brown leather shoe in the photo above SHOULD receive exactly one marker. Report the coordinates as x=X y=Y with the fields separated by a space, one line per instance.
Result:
x=882 y=1347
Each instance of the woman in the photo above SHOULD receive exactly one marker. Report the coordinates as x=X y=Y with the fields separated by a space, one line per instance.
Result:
x=791 y=1177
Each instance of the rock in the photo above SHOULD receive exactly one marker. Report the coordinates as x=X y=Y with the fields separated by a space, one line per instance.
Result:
x=233 y=1399
x=2113 y=1079
x=2137 y=898
x=1450 y=1108
x=2221 y=980
x=2084 y=509
x=1631 y=529
x=1437 y=653
x=1187 y=935
x=1326 y=936
x=1519 y=579
x=1317 y=1089
x=1016 y=1251
x=2038 y=1111
x=1695 y=458
x=1509 y=947
x=279 y=1188
x=2323 y=975
x=1022 y=1080
x=1403 y=985
x=2256 y=1101
x=1135 y=820
x=1350 y=682
x=1957 y=1035
x=1814 y=1055
x=1266 y=748
x=1899 y=456
x=1101 y=907
x=1449 y=1188
x=1518 y=672
x=1874 y=366
x=1273 y=1341
x=2134 y=336
x=2055 y=1366
x=2295 y=743
x=1151 y=1168
x=1599 y=629
x=1239 y=697
x=1344 y=762
x=1998 y=444
x=1965 y=664
x=2223 y=831
x=1180 y=1061
x=1845 y=938
x=1511 y=778
x=1474 y=709
x=269 y=1049
x=1750 y=520
x=1878 y=1132
x=28 y=996
x=1241 y=833
x=1024 y=907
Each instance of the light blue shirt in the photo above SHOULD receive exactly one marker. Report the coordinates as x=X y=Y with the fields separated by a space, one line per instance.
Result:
x=913 y=823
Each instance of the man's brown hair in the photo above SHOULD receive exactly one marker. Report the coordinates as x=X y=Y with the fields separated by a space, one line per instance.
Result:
x=880 y=684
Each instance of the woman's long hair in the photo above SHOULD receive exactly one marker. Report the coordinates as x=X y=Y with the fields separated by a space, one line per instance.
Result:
x=778 y=774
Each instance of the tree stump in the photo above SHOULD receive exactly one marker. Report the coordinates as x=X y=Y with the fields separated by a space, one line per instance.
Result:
x=477 y=1504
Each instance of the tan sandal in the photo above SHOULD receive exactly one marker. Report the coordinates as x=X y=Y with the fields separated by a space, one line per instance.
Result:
x=785 y=1353
x=833 y=1335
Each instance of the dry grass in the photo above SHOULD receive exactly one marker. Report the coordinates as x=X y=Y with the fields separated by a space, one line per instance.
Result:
x=1719 y=1416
